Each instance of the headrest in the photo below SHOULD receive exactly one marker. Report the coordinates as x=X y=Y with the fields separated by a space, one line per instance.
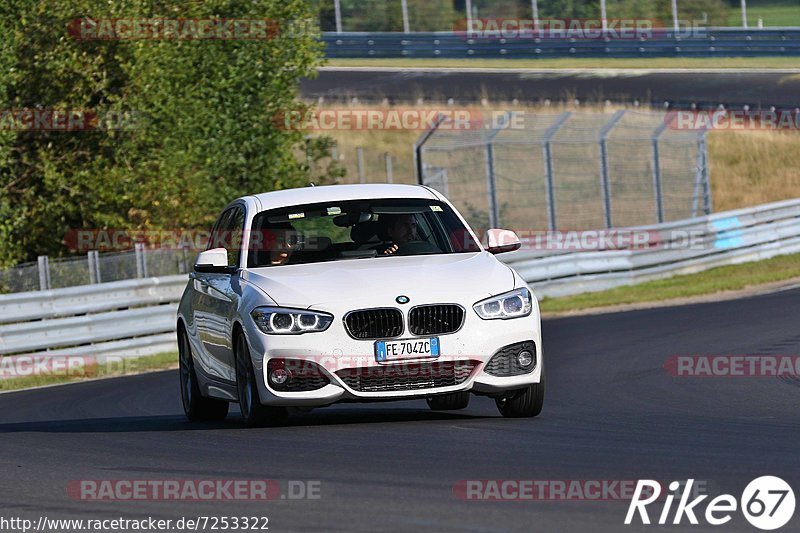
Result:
x=362 y=233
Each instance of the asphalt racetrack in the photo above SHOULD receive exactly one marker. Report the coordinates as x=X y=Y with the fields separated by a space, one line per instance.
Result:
x=612 y=412
x=730 y=87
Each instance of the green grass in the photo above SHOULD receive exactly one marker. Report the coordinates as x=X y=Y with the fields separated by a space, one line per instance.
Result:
x=716 y=280
x=131 y=366
x=773 y=13
x=610 y=63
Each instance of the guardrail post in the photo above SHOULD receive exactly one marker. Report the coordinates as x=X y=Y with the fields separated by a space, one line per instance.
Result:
x=93 y=258
x=141 y=263
x=44 y=272
x=604 y=178
x=549 y=179
x=360 y=163
x=388 y=159
x=657 y=191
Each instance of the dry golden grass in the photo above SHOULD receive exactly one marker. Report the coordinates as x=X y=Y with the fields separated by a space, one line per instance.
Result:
x=747 y=167
x=753 y=167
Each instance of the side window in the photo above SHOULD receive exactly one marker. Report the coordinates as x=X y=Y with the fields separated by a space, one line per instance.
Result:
x=218 y=238
x=235 y=232
x=227 y=233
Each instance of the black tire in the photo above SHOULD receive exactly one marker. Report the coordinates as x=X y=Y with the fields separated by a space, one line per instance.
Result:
x=253 y=412
x=449 y=402
x=197 y=407
x=523 y=403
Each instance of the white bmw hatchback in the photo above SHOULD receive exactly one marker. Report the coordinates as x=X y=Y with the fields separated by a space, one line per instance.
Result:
x=308 y=297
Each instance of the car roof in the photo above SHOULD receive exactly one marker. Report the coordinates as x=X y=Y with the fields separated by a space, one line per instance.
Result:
x=339 y=193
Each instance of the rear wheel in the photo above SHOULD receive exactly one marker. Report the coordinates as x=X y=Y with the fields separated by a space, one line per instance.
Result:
x=449 y=402
x=523 y=403
x=197 y=407
x=254 y=413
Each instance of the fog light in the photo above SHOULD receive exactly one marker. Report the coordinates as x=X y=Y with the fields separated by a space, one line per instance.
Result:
x=279 y=376
x=525 y=358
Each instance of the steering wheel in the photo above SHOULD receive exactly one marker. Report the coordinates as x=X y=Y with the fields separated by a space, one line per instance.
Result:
x=417 y=248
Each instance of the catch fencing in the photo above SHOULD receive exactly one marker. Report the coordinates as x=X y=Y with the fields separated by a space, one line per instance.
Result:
x=570 y=170
x=96 y=267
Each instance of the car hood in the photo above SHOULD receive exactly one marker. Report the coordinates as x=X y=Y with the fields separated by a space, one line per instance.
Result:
x=376 y=282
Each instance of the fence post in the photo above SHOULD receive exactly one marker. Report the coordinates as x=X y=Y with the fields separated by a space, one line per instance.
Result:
x=657 y=190
x=707 y=200
x=494 y=215
x=605 y=182
x=93 y=258
x=491 y=179
x=419 y=165
x=549 y=179
x=337 y=13
x=44 y=272
x=388 y=158
x=141 y=263
x=360 y=163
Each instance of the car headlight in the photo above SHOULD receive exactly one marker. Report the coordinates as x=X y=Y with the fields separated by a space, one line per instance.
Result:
x=281 y=321
x=514 y=304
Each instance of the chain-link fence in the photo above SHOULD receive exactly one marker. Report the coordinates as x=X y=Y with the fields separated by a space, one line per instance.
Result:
x=95 y=267
x=570 y=171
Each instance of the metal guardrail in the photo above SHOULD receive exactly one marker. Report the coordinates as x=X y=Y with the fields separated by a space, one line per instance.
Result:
x=137 y=317
x=716 y=240
x=711 y=42
x=120 y=318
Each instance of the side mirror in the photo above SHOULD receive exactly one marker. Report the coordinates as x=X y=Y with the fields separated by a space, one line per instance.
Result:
x=214 y=261
x=501 y=241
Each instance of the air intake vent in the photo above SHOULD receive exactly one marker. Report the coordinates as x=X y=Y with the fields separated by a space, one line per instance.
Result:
x=412 y=376
x=435 y=319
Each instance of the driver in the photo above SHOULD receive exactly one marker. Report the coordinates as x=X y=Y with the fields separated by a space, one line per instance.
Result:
x=400 y=229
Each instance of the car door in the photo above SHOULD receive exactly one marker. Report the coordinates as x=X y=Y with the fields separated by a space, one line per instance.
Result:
x=216 y=296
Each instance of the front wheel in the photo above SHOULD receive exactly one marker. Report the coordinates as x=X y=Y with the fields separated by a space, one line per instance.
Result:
x=523 y=403
x=197 y=407
x=254 y=413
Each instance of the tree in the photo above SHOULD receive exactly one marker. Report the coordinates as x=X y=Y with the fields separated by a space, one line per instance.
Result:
x=203 y=132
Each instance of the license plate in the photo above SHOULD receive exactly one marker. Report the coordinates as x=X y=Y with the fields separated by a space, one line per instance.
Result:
x=406 y=349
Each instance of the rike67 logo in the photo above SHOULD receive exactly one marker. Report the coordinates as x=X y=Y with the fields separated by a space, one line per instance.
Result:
x=767 y=503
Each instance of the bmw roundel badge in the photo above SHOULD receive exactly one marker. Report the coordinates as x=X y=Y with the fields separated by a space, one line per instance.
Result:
x=402 y=299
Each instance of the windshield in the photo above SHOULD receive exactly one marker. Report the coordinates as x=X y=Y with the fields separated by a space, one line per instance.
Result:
x=357 y=229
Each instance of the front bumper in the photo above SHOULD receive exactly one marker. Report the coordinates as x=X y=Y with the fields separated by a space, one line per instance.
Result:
x=336 y=355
